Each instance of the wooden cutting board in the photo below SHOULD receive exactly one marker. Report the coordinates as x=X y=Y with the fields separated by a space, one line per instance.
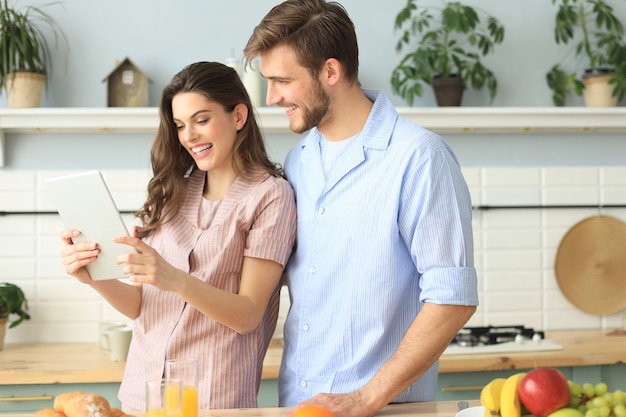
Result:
x=590 y=265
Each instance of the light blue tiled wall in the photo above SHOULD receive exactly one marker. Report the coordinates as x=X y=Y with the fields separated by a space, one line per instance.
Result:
x=515 y=249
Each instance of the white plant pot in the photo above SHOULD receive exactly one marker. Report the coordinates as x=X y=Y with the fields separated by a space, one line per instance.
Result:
x=598 y=92
x=25 y=89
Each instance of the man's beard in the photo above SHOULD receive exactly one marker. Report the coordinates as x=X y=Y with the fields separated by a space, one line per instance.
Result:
x=312 y=116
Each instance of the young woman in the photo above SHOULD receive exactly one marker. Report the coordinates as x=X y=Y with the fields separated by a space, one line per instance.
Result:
x=218 y=228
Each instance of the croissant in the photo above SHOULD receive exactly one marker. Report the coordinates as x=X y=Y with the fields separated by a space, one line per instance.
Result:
x=48 y=412
x=78 y=404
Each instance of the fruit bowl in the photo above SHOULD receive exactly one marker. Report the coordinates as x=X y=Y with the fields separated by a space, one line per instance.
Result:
x=472 y=412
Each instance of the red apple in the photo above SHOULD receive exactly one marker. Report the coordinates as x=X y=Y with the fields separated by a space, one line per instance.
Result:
x=543 y=391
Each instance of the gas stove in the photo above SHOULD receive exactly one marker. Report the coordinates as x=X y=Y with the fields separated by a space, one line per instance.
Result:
x=499 y=339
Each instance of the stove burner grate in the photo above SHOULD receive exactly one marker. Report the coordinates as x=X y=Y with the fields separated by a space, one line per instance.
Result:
x=491 y=335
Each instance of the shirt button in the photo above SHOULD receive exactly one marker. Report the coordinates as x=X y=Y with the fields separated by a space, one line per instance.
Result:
x=312 y=270
x=321 y=210
x=172 y=323
x=306 y=327
x=303 y=383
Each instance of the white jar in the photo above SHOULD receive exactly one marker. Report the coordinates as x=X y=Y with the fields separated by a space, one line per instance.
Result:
x=251 y=78
x=234 y=64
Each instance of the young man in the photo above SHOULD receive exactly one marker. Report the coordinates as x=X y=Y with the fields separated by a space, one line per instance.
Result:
x=383 y=274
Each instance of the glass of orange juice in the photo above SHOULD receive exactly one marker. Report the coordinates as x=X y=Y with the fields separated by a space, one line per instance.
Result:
x=164 y=398
x=186 y=370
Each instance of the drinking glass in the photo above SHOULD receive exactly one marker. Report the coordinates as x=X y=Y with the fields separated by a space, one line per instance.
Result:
x=186 y=370
x=164 y=398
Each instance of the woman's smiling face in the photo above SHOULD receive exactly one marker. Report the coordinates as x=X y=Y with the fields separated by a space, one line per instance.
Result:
x=206 y=130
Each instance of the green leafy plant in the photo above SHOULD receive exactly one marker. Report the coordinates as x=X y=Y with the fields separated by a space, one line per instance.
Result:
x=600 y=45
x=449 y=45
x=13 y=301
x=23 y=41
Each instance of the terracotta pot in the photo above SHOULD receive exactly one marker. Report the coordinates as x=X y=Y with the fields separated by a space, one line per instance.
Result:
x=448 y=90
x=25 y=89
x=3 y=330
x=598 y=92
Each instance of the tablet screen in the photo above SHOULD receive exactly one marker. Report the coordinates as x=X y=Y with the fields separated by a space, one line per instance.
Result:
x=84 y=203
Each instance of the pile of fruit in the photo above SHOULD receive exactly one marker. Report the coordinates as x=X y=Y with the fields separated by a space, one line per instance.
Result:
x=545 y=392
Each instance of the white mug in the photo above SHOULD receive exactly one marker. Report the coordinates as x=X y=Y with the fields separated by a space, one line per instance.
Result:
x=104 y=326
x=116 y=340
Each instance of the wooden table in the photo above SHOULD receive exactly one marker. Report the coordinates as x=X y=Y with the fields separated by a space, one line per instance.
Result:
x=433 y=409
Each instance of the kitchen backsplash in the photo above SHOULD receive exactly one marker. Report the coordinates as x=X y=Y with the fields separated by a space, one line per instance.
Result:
x=515 y=248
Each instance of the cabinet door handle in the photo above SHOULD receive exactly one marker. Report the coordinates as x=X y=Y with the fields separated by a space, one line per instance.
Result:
x=31 y=398
x=462 y=388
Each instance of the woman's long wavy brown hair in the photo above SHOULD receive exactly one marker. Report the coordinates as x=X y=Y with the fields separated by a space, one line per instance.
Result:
x=171 y=163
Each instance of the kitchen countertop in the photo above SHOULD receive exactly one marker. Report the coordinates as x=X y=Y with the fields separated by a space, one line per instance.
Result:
x=433 y=409
x=86 y=363
x=52 y=363
x=580 y=348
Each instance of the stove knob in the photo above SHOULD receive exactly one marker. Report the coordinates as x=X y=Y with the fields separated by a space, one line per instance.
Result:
x=536 y=338
x=519 y=339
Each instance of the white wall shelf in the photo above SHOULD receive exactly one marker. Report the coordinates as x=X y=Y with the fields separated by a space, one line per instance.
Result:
x=444 y=120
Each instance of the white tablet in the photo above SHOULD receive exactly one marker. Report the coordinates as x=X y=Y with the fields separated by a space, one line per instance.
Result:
x=84 y=203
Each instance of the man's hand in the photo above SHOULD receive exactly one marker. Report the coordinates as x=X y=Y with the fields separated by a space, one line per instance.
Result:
x=342 y=405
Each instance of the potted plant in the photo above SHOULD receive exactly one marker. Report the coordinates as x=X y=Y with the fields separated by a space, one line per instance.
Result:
x=449 y=49
x=599 y=55
x=12 y=301
x=25 y=56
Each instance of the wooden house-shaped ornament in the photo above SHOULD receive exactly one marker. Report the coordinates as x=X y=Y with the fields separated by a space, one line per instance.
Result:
x=127 y=85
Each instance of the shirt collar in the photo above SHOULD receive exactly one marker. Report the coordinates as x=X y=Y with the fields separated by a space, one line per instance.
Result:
x=379 y=125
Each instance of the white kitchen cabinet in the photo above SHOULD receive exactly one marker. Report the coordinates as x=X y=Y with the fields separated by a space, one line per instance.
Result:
x=457 y=386
x=268 y=393
x=452 y=387
x=467 y=385
x=26 y=399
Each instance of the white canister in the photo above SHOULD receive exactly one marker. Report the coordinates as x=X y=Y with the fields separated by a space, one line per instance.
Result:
x=234 y=64
x=251 y=78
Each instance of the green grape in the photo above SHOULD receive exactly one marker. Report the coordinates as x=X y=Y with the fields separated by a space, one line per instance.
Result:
x=604 y=411
x=574 y=401
x=574 y=388
x=618 y=397
x=599 y=402
x=610 y=399
x=619 y=410
x=592 y=413
x=601 y=388
x=589 y=390
x=582 y=408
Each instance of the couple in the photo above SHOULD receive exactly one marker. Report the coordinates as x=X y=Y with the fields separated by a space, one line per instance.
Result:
x=381 y=276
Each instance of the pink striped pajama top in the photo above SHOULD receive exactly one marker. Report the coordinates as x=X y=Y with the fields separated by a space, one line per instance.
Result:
x=256 y=218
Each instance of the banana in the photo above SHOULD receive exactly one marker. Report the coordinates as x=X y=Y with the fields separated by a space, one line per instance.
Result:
x=490 y=397
x=510 y=405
